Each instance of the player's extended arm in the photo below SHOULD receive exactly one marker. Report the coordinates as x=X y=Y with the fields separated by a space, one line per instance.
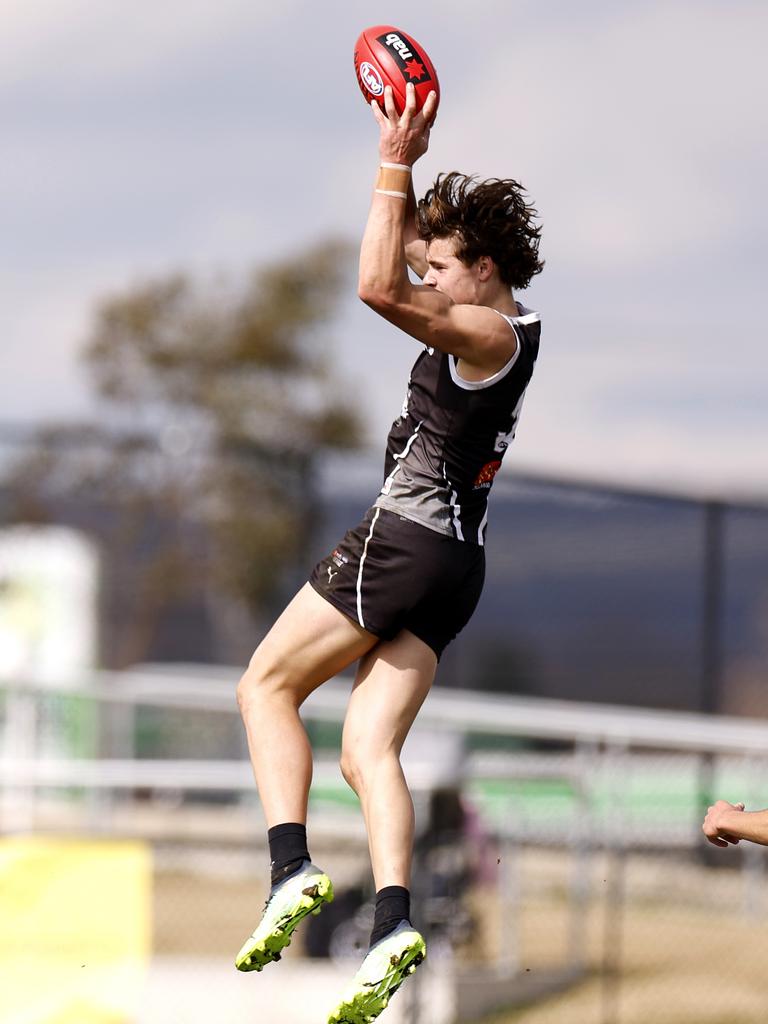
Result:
x=728 y=823
x=415 y=247
x=474 y=333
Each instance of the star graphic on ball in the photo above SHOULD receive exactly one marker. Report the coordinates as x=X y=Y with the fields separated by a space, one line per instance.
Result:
x=414 y=69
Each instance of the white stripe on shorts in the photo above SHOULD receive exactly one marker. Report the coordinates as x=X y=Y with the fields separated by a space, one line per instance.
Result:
x=360 y=571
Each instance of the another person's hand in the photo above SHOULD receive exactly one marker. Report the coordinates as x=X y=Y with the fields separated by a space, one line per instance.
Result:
x=717 y=821
x=404 y=137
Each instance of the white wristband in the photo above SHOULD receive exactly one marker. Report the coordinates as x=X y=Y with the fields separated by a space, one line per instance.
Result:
x=396 y=167
x=389 y=192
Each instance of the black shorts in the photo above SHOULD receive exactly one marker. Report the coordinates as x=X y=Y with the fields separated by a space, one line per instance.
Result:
x=389 y=574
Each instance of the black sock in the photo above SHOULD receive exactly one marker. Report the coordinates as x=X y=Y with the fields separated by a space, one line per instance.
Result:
x=393 y=905
x=287 y=849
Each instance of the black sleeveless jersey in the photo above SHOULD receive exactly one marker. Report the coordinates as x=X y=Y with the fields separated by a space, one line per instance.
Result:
x=448 y=442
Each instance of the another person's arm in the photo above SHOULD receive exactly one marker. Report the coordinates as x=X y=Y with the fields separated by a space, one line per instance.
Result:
x=726 y=824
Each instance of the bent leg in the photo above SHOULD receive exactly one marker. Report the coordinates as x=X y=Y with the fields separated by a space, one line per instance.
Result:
x=392 y=683
x=310 y=642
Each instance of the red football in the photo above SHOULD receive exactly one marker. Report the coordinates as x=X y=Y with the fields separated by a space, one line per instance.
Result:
x=386 y=56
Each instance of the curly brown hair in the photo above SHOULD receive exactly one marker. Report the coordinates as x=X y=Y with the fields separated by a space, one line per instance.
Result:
x=489 y=218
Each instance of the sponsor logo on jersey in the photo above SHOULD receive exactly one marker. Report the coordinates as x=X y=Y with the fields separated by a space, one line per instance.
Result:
x=505 y=438
x=486 y=474
x=371 y=79
x=503 y=441
x=410 y=62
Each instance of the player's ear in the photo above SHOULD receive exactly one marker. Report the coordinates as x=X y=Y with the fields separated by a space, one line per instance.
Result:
x=485 y=267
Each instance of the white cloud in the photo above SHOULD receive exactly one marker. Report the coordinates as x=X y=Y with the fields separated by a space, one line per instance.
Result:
x=641 y=134
x=208 y=134
x=80 y=43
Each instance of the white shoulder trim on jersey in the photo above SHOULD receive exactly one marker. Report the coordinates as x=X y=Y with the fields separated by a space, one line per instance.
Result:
x=475 y=385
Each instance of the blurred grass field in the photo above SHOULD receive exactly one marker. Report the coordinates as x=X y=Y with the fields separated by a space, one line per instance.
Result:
x=678 y=968
x=685 y=950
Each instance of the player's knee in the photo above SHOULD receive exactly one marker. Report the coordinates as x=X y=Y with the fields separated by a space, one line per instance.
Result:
x=361 y=762
x=348 y=768
x=257 y=682
x=352 y=768
x=246 y=689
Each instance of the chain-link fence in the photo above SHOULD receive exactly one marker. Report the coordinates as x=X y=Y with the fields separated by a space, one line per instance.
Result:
x=561 y=872
x=605 y=593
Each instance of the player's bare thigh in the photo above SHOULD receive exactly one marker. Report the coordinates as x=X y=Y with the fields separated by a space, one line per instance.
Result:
x=309 y=643
x=392 y=682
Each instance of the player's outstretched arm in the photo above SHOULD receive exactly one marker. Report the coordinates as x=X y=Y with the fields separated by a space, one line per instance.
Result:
x=415 y=247
x=725 y=824
x=475 y=334
x=391 y=222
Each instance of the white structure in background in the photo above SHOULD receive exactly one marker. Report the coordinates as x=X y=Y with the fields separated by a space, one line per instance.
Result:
x=48 y=593
x=48 y=632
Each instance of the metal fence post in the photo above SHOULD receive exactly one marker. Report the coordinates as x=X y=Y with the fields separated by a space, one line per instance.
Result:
x=508 y=962
x=712 y=635
x=753 y=855
x=586 y=760
x=615 y=762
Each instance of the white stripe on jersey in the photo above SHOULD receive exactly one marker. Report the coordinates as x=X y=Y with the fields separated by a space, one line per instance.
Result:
x=360 y=571
x=455 y=507
x=387 y=485
x=482 y=526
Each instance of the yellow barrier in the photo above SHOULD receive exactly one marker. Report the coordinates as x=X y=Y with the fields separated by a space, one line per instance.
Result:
x=75 y=930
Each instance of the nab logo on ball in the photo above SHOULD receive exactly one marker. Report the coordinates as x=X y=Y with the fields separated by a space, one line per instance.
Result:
x=410 y=62
x=371 y=79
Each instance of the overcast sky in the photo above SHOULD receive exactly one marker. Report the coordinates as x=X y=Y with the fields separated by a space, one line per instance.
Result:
x=211 y=134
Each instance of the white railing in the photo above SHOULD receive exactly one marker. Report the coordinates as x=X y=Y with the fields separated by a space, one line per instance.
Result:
x=458 y=710
x=602 y=747
x=600 y=751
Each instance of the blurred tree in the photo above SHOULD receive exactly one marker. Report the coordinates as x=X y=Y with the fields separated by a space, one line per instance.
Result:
x=214 y=401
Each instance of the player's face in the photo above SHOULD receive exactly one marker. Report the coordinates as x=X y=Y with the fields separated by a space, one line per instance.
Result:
x=447 y=274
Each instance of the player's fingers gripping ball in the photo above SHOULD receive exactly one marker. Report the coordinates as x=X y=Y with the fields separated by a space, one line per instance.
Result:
x=385 y=55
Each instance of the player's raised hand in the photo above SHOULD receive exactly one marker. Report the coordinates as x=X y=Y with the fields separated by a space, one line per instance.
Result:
x=403 y=138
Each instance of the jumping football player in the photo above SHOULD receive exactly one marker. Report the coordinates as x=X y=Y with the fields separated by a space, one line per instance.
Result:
x=402 y=584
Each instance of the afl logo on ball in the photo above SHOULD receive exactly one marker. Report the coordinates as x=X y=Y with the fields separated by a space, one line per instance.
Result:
x=371 y=79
